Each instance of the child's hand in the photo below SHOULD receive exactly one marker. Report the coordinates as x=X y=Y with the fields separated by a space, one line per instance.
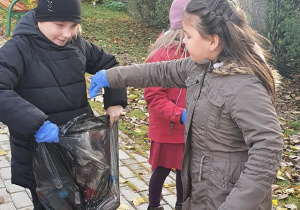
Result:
x=48 y=133
x=98 y=81
x=114 y=113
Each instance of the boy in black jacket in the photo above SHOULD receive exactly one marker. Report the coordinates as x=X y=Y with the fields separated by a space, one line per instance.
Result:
x=42 y=81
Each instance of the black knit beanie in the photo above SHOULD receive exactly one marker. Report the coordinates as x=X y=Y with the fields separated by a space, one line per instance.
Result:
x=58 y=10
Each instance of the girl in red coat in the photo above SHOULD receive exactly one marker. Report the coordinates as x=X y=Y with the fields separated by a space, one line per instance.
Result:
x=166 y=105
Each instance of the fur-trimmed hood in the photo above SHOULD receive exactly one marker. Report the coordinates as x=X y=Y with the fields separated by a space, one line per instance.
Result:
x=233 y=68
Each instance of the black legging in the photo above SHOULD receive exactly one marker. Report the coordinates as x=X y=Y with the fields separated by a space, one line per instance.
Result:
x=157 y=180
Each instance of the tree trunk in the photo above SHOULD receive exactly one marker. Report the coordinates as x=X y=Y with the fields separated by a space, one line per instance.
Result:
x=257 y=13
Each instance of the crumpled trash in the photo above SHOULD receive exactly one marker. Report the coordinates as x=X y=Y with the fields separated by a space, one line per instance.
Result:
x=81 y=172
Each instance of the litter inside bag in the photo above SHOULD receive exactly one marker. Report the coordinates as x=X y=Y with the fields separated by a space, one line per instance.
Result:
x=80 y=172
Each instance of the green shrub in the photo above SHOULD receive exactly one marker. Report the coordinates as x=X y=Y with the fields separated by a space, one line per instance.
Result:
x=114 y=5
x=89 y=1
x=284 y=33
x=154 y=12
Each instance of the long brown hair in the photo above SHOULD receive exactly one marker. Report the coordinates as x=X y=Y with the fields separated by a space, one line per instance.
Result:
x=227 y=20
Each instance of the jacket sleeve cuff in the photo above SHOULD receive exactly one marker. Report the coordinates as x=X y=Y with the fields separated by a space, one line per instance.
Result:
x=114 y=97
x=177 y=114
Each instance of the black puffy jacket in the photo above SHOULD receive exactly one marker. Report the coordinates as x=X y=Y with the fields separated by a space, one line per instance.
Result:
x=40 y=80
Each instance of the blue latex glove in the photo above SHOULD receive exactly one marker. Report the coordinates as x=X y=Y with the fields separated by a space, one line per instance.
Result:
x=99 y=81
x=47 y=133
x=183 y=117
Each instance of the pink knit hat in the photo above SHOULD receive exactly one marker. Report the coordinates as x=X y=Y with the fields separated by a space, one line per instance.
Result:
x=176 y=13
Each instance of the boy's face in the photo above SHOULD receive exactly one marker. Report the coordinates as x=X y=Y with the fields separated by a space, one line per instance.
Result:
x=58 y=32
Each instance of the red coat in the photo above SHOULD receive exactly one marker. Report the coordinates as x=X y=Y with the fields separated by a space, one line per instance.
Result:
x=165 y=106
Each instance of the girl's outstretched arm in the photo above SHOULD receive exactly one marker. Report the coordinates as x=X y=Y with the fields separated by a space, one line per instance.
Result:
x=160 y=74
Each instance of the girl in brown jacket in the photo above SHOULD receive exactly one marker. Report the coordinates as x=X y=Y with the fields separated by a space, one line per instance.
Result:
x=232 y=133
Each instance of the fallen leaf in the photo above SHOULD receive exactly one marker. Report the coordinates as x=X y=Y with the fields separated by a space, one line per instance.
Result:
x=295 y=148
x=122 y=181
x=280 y=177
x=282 y=196
x=131 y=96
x=279 y=173
x=139 y=201
x=3 y=152
x=123 y=207
x=297 y=190
x=275 y=202
x=291 y=206
x=142 y=102
x=284 y=167
x=129 y=147
x=275 y=186
x=276 y=192
x=167 y=185
x=3 y=132
x=290 y=191
x=143 y=172
x=288 y=174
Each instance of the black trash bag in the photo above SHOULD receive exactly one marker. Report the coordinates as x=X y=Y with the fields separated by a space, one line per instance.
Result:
x=81 y=172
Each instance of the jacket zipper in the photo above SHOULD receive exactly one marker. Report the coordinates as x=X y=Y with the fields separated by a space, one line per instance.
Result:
x=172 y=123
